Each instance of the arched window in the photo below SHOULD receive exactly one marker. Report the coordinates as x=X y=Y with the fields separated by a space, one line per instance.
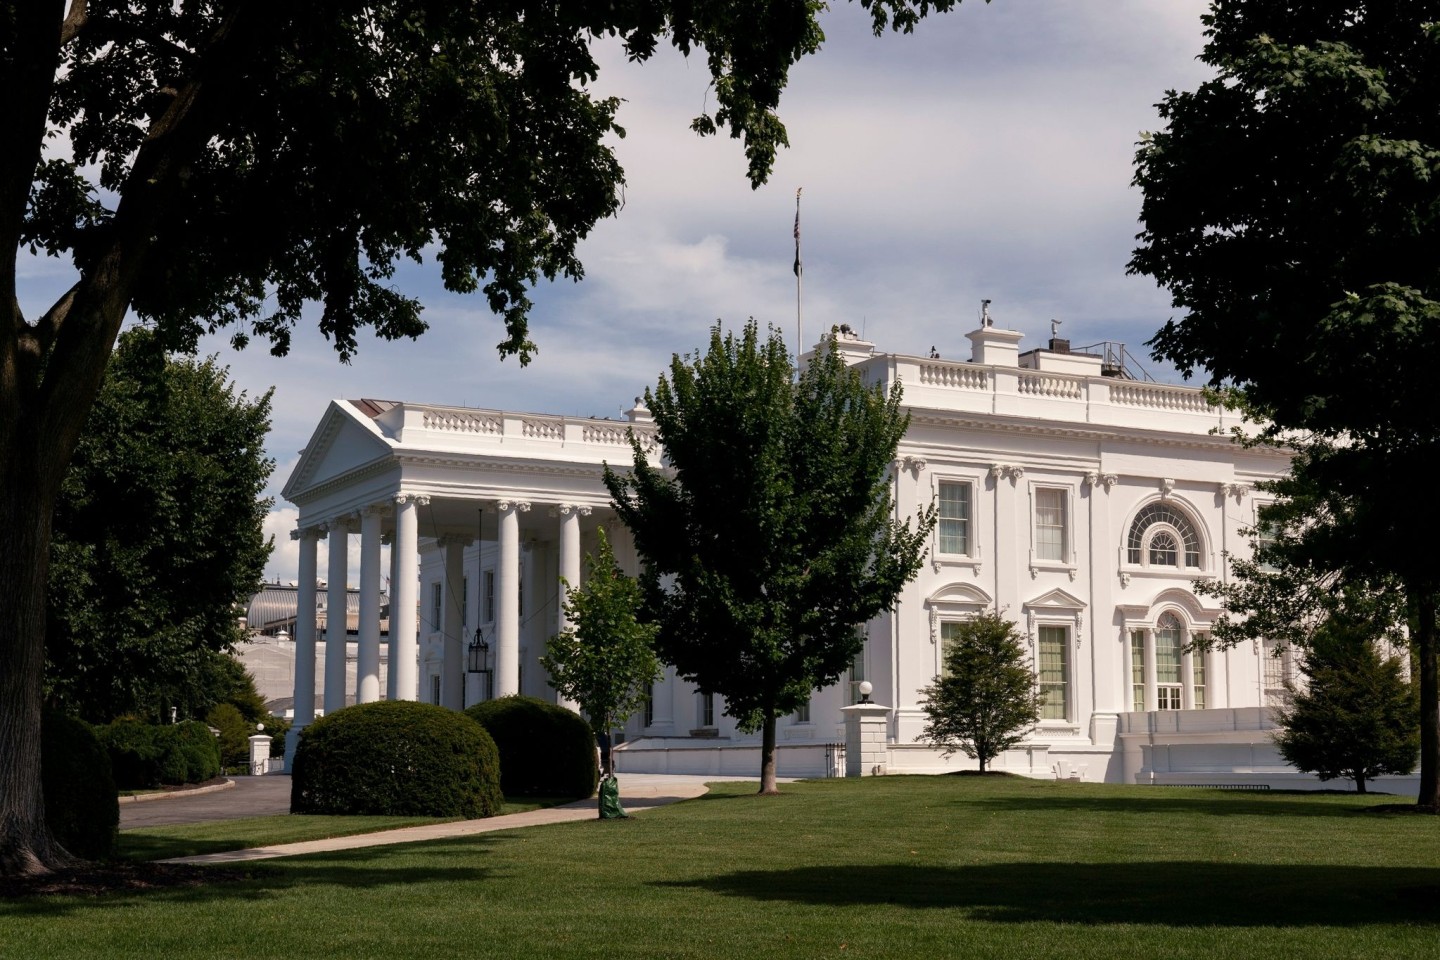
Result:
x=1160 y=535
x=1169 y=647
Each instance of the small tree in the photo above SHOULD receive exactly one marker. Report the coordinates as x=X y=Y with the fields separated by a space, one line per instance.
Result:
x=1357 y=717
x=985 y=700
x=606 y=661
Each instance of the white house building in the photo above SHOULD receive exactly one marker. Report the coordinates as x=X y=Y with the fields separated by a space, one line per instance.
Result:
x=1081 y=503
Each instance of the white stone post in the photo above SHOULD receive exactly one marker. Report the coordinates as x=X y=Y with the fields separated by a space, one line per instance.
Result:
x=404 y=585
x=367 y=680
x=309 y=539
x=1187 y=681
x=260 y=754
x=1152 y=690
x=336 y=616
x=507 y=590
x=452 y=665
x=866 y=751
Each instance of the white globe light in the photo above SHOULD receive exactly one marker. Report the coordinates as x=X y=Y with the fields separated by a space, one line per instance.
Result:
x=865 y=688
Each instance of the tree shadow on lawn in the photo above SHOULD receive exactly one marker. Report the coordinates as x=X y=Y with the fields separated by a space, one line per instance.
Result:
x=1174 y=894
x=444 y=862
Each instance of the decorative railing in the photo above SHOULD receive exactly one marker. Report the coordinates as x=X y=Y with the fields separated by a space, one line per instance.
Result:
x=462 y=422
x=535 y=428
x=957 y=376
x=1050 y=385
x=1157 y=397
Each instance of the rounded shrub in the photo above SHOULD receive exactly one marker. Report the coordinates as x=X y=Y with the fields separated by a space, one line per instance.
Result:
x=396 y=758
x=134 y=753
x=80 y=801
x=193 y=752
x=545 y=750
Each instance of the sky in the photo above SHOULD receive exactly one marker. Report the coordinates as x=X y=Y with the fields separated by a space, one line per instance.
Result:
x=987 y=155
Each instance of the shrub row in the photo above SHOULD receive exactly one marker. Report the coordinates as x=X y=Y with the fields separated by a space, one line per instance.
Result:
x=145 y=755
x=401 y=758
x=80 y=800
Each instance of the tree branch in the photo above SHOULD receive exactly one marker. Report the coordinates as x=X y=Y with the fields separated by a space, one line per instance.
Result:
x=75 y=21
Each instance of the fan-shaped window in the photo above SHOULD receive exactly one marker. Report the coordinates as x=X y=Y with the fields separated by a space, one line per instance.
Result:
x=1162 y=547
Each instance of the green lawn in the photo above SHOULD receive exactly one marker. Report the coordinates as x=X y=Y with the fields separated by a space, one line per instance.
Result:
x=892 y=867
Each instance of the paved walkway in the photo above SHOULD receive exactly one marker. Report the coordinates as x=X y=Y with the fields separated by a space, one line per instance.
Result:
x=259 y=796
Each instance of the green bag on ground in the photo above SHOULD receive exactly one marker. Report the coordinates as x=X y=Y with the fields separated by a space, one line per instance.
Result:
x=610 y=808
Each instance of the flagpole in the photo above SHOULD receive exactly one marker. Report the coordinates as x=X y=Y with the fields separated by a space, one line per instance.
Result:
x=799 y=284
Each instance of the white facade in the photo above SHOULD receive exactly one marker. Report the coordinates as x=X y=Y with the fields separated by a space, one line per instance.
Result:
x=1082 y=506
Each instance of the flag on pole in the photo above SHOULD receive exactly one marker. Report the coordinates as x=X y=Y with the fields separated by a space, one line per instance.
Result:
x=797 y=231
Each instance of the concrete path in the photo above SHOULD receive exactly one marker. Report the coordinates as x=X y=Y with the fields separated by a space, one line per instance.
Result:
x=638 y=792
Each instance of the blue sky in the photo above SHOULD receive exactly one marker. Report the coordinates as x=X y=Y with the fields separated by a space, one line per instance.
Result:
x=988 y=155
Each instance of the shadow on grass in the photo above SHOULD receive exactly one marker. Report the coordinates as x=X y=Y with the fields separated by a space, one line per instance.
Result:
x=1174 y=894
x=267 y=881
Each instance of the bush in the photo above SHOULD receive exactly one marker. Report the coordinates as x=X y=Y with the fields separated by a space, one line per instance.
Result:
x=235 y=733
x=80 y=801
x=134 y=753
x=545 y=750
x=196 y=750
x=396 y=758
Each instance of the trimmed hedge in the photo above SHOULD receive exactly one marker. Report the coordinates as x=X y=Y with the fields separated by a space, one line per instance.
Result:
x=396 y=758
x=81 y=807
x=143 y=755
x=545 y=750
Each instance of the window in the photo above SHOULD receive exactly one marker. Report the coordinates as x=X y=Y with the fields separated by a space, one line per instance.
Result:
x=1197 y=672
x=1054 y=673
x=1278 y=668
x=802 y=715
x=1050 y=524
x=1137 y=670
x=650 y=705
x=1169 y=645
x=707 y=709
x=1160 y=535
x=489 y=616
x=949 y=630
x=857 y=676
x=437 y=606
x=435 y=689
x=955 y=518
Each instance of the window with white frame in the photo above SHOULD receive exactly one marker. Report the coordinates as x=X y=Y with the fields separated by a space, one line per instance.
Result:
x=435 y=689
x=802 y=713
x=650 y=704
x=1167 y=642
x=1277 y=669
x=437 y=606
x=1054 y=672
x=1162 y=536
x=949 y=632
x=707 y=710
x=1137 y=670
x=1050 y=524
x=1169 y=648
x=1197 y=670
x=857 y=676
x=954 y=524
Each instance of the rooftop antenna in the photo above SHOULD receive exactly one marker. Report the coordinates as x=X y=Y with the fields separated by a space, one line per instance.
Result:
x=985 y=320
x=1055 y=327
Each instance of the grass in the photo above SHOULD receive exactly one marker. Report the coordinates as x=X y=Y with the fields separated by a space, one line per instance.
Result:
x=890 y=867
x=187 y=840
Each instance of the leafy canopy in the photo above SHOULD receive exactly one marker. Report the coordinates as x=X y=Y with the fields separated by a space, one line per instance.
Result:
x=158 y=536
x=606 y=660
x=769 y=537
x=985 y=701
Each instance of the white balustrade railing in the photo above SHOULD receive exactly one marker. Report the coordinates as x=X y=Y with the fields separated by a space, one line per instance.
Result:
x=1051 y=385
x=461 y=421
x=958 y=376
x=1159 y=397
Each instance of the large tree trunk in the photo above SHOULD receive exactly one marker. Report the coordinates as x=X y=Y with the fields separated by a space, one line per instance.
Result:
x=1425 y=653
x=767 y=756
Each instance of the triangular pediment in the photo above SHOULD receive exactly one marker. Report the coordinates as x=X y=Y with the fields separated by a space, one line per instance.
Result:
x=345 y=440
x=961 y=593
x=1056 y=599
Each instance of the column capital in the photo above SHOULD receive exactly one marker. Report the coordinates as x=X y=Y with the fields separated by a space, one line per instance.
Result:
x=454 y=540
x=375 y=510
x=340 y=524
x=318 y=532
x=419 y=499
x=517 y=506
x=566 y=509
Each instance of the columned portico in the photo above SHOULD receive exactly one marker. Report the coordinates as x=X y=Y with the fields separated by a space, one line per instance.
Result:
x=367 y=680
x=507 y=590
x=336 y=603
x=569 y=515
x=305 y=597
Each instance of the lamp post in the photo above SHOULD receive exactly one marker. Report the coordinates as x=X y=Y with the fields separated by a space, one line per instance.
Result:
x=479 y=661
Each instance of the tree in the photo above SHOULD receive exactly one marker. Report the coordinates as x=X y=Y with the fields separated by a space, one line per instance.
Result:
x=158 y=536
x=606 y=660
x=985 y=700
x=1357 y=716
x=771 y=537
x=221 y=163
x=1292 y=207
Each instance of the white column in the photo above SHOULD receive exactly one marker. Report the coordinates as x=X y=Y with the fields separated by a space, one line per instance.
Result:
x=570 y=515
x=367 y=679
x=452 y=667
x=1187 y=680
x=1152 y=693
x=404 y=585
x=309 y=539
x=394 y=578
x=507 y=597
x=335 y=616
